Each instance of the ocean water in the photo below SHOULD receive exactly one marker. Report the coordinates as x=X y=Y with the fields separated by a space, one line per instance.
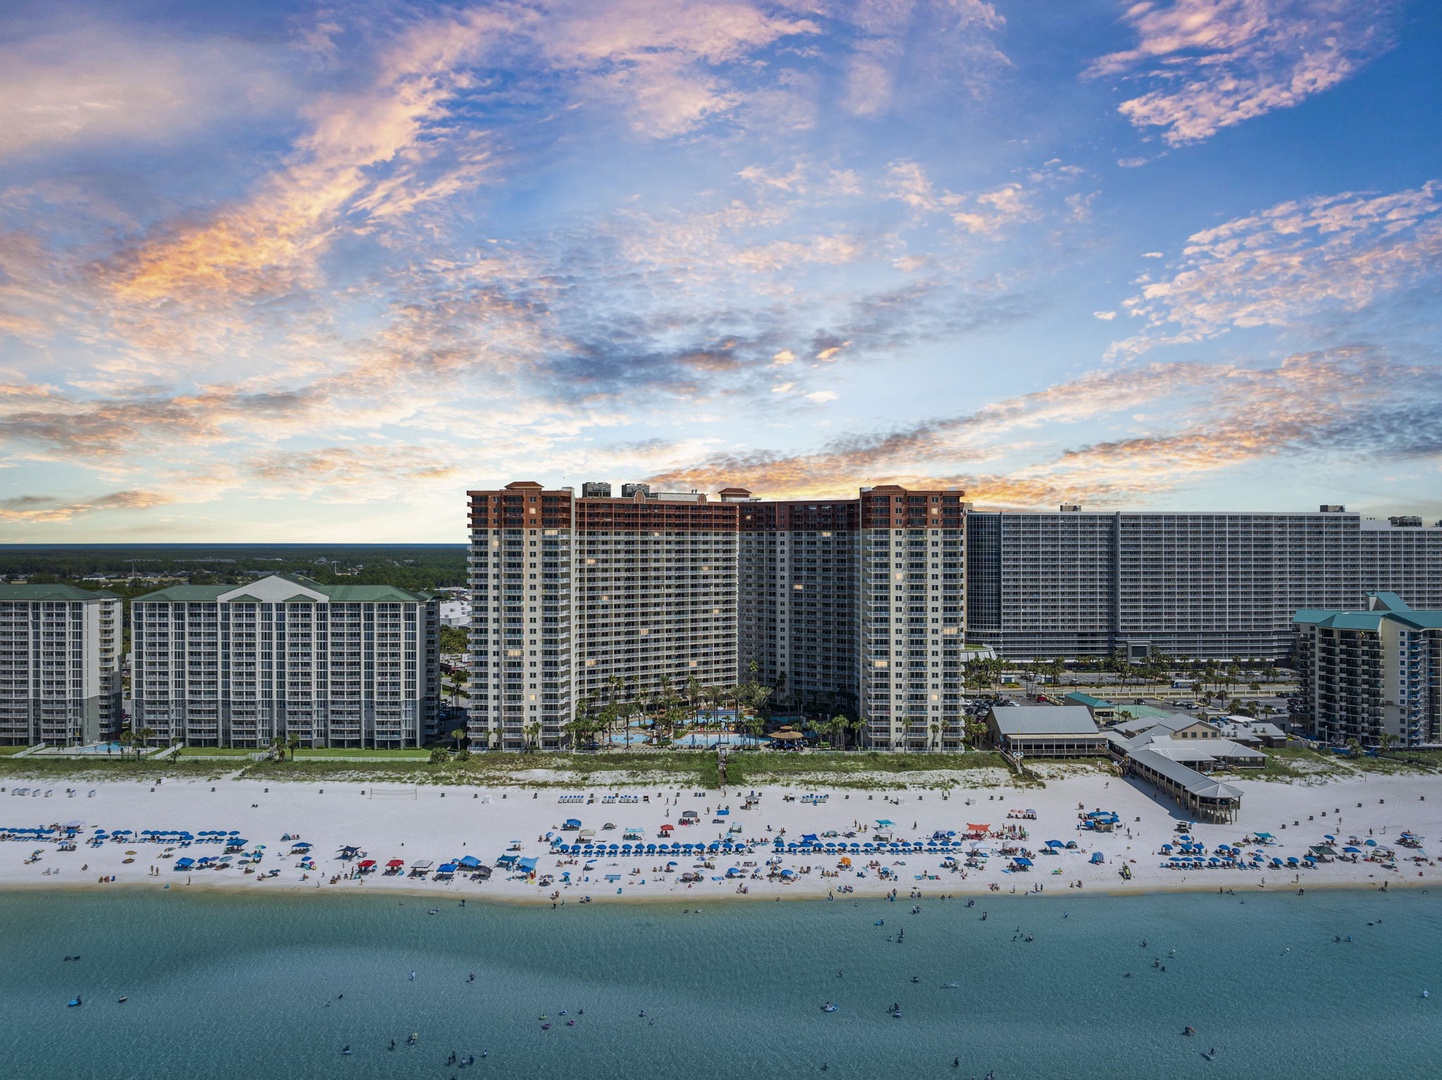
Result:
x=227 y=986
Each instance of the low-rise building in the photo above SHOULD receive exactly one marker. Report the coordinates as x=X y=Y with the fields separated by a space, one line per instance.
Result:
x=1204 y=798
x=59 y=665
x=1052 y=731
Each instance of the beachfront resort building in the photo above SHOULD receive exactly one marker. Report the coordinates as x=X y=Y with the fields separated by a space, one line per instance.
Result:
x=59 y=665
x=282 y=657
x=1371 y=677
x=847 y=605
x=871 y=607
x=1200 y=585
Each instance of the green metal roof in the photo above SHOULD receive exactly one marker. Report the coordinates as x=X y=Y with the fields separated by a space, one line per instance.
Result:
x=1089 y=701
x=336 y=594
x=52 y=592
x=186 y=593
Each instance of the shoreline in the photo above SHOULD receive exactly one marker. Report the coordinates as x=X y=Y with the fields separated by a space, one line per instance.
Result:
x=441 y=824
x=495 y=899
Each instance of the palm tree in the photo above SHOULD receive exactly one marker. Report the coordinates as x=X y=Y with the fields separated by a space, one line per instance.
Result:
x=292 y=744
x=458 y=734
x=146 y=734
x=533 y=734
x=975 y=730
x=935 y=735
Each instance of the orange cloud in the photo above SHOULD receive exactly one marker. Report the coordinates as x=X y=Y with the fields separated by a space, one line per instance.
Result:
x=1204 y=420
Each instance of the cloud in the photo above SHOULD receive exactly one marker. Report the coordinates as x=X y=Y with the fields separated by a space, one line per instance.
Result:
x=1216 y=63
x=90 y=82
x=354 y=472
x=1105 y=316
x=1312 y=407
x=1295 y=261
x=982 y=213
x=665 y=63
x=35 y=509
x=897 y=46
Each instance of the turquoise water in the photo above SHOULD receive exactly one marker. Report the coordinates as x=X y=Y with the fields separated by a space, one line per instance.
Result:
x=228 y=986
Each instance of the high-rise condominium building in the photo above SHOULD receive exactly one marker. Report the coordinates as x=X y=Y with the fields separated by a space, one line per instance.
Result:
x=911 y=616
x=59 y=665
x=868 y=607
x=594 y=598
x=1371 y=676
x=333 y=665
x=853 y=605
x=1216 y=585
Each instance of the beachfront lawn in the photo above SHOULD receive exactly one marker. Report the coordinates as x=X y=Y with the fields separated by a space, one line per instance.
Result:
x=1292 y=763
x=861 y=769
x=613 y=770
x=1396 y=762
x=107 y=768
x=364 y=755
x=7 y=750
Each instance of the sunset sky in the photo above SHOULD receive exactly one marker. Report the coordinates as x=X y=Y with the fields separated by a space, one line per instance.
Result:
x=283 y=271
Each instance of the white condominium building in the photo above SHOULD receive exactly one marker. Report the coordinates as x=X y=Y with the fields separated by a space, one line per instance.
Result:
x=333 y=665
x=59 y=665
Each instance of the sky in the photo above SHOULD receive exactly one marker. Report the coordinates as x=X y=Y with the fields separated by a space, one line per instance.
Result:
x=308 y=272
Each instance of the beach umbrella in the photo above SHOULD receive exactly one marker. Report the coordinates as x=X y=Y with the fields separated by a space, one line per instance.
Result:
x=1370 y=843
x=1352 y=850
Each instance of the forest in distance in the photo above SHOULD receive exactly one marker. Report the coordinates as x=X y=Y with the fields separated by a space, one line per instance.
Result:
x=134 y=569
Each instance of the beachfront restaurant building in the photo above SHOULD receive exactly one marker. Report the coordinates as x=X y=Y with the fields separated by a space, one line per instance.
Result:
x=1048 y=731
x=1204 y=798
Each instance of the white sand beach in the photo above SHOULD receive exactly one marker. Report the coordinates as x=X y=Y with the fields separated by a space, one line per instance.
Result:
x=436 y=824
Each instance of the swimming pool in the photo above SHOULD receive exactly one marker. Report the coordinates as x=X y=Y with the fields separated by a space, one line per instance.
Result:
x=95 y=748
